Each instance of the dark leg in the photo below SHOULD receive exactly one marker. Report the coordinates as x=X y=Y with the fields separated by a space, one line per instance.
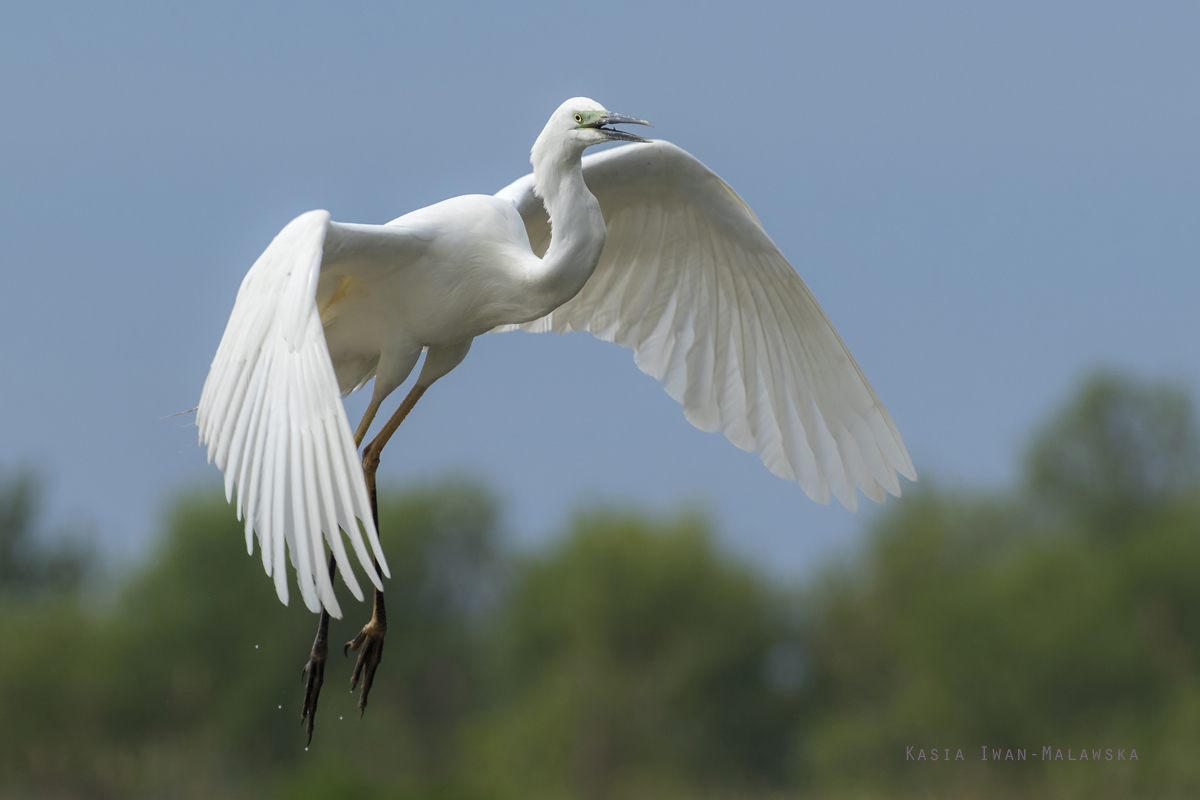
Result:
x=369 y=646
x=369 y=642
x=314 y=670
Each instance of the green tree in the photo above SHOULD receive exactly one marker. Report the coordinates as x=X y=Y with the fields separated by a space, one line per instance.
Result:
x=982 y=620
x=1116 y=452
x=188 y=685
x=635 y=660
x=31 y=564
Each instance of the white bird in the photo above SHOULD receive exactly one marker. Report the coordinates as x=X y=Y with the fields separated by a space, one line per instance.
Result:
x=642 y=245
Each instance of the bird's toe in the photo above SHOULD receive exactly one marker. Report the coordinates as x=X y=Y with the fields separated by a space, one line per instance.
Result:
x=369 y=646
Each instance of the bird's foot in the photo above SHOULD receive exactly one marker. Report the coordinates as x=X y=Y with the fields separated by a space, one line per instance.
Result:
x=369 y=646
x=314 y=675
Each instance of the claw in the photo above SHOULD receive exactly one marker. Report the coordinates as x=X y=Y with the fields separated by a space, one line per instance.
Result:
x=369 y=646
x=314 y=675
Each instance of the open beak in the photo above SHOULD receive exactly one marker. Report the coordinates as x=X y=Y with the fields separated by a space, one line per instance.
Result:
x=614 y=135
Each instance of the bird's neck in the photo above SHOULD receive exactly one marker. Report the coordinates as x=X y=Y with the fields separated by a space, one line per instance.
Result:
x=577 y=230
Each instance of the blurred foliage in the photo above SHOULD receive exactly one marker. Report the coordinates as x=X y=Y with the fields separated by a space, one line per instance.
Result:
x=632 y=658
x=985 y=620
x=30 y=566
x=1118 y=452
x=634 y=661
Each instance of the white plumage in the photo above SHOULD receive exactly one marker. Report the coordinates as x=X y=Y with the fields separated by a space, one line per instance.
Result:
x=650 y=249
x=272 y=416
x=690 y=281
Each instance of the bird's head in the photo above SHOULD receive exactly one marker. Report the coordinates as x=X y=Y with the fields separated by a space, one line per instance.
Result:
x=580 y=123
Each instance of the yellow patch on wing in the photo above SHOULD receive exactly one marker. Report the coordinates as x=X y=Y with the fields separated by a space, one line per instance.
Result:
x=344 y=287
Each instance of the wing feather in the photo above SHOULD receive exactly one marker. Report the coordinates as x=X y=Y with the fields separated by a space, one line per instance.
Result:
x=271 y=415
x=691 y=282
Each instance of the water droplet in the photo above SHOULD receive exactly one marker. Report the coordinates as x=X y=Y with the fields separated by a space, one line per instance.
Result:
x=281 y=706
x=306 y=749
x=341 y=717
x=255 y=647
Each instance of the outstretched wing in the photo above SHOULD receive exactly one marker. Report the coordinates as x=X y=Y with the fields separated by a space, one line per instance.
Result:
x=690 y=281
x=273 y=420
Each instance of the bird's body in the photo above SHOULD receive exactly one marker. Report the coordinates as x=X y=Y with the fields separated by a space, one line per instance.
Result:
x=433 y=274
x=642 y=245
x=437 y=278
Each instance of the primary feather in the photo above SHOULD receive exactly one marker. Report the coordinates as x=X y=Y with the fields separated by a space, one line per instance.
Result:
x=271 y=414
x=690 y=281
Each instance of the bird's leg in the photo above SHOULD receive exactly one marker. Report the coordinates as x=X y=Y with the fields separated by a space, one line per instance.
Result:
x=369 y=642
x=364 y=425
x=314 y=670
x=369 y=646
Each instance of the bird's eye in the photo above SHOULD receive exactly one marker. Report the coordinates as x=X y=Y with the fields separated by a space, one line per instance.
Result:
x=578 y=117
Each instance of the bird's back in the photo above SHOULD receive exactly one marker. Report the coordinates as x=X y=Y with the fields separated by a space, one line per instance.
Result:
x=436 y=276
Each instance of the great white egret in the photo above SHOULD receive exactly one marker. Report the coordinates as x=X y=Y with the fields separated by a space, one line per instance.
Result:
x=642 y=245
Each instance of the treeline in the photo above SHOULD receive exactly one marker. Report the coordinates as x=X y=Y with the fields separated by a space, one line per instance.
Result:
x=632 y=658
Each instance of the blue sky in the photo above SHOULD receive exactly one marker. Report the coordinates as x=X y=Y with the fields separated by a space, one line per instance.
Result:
x=988 y=202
